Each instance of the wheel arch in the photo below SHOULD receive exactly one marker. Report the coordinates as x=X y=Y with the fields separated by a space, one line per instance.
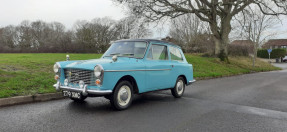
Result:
x=183 y=76
x=132 y=80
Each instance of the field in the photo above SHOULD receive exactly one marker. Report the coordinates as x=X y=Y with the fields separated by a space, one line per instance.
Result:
x=29 y=74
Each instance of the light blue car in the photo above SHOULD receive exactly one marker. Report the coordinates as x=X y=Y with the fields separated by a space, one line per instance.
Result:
x=128 y=67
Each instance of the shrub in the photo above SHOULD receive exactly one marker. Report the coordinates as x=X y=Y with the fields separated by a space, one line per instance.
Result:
x=238 y=50
x=276 y=53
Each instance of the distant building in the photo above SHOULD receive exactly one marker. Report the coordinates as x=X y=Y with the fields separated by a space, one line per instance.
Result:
x=244 y=43
x=275 y=44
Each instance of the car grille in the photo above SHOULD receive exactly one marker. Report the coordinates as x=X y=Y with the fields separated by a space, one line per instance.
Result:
x=75 y=75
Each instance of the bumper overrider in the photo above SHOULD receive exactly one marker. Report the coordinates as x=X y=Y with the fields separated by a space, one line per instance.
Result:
x=82 y=90
x=190 y=82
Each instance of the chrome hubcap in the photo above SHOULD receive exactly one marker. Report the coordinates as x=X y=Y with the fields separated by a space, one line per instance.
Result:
x=179 y=87
x=124 y=95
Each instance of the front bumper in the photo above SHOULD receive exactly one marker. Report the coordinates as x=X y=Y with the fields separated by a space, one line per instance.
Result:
x=190 y=82
x=83 y=90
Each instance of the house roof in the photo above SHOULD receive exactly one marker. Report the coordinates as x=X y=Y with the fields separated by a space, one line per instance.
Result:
x=242 y=42
x=276 y=42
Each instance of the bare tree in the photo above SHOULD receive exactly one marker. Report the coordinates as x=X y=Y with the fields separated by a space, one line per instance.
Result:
x=9 y=36
x=132 y=27
x=1 y=34
x=253 y=25
x=95 y=35
x=24 y=34
x=37 y=36
x=125 y=27
x=218 y=13
x=189 y=31
x=141 y=30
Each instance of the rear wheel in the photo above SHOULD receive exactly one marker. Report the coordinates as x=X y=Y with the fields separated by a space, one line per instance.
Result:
x=122 y=96
x=179 y=88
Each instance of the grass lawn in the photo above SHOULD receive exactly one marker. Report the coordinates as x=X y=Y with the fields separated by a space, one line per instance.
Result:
x=29 y=74
x=205 y=67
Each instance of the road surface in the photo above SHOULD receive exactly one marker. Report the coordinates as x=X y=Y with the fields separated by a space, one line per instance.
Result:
x=253 y=102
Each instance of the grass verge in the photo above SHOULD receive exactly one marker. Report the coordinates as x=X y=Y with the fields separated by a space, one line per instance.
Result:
x=29 y=74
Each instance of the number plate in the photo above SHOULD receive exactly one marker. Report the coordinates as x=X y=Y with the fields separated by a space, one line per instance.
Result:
x=71 y=94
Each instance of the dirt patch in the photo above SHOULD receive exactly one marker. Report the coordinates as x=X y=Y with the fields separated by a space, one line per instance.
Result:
x=10 y=68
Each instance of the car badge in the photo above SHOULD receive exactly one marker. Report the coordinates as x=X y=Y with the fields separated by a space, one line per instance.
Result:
x=77 y=76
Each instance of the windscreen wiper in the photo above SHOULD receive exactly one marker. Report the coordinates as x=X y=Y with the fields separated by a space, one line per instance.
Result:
x=115 y=54
x=130 y=54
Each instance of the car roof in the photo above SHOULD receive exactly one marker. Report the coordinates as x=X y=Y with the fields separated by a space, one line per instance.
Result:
x=149 y=40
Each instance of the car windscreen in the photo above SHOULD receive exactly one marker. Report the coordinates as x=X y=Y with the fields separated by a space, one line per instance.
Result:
x=127 y=49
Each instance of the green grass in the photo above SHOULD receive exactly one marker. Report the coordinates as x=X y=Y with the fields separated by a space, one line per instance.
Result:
x=29 y=74
x=205 y=67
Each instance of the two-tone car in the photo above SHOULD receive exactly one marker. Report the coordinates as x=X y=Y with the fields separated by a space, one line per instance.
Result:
x=128 y=67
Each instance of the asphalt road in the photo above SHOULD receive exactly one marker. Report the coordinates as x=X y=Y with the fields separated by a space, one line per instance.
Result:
x=282 y=65
x=253 y=102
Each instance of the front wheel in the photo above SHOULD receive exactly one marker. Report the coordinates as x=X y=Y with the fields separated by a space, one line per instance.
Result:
x=122 y=96
x=179 y=88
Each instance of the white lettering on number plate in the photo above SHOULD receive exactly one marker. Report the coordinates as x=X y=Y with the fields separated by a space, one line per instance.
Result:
x=71 y=94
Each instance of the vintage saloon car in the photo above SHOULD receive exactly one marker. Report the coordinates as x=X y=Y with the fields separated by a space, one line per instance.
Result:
x=128 y=67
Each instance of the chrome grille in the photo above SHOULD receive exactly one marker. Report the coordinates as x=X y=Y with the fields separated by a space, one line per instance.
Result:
x=75 y=75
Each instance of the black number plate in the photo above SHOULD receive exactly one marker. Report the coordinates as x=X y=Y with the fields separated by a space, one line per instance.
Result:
x=71 y=94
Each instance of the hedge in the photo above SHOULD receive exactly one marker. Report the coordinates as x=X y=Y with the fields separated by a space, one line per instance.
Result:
x=239 y=50
x=276 y=53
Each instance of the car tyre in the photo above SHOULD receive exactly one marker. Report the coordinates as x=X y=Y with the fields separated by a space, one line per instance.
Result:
x=81 y=99
x=179 y=88
x=122 y=96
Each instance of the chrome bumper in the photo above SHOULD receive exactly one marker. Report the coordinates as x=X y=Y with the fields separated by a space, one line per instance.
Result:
x=190 y=82
x=83 y=90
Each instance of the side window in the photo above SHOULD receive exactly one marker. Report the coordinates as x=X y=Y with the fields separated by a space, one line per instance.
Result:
x=175 y=54
x=157 y=52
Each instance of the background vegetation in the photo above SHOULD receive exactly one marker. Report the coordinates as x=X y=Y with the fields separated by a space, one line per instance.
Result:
x=29 y=74
x=85 y=37
x=276 y=53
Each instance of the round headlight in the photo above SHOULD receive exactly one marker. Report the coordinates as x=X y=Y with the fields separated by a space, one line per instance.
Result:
x=56 y=68
x=98 y=70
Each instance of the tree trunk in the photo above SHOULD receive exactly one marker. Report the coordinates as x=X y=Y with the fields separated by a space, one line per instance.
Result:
x=221 y=48
x=221 y=39
x=217 y=45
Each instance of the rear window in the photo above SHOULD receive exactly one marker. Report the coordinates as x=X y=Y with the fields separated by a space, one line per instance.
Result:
x=175 y=54
x=157 y=52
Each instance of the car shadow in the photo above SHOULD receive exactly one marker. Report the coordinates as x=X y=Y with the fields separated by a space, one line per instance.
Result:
x=102 y=105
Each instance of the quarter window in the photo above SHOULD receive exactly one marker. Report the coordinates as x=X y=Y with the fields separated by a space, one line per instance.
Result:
x=157 y=52
x=175 y=54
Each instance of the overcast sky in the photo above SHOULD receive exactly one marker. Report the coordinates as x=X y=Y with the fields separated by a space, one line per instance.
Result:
x=64 y=11
x=12 y=12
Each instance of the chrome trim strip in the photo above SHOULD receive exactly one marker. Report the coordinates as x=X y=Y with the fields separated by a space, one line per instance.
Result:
x=95 y=92
x=192 y=81
x=137 y=70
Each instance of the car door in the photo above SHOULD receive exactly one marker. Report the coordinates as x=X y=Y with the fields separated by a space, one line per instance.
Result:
x=177 y=62
x=158 y=67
